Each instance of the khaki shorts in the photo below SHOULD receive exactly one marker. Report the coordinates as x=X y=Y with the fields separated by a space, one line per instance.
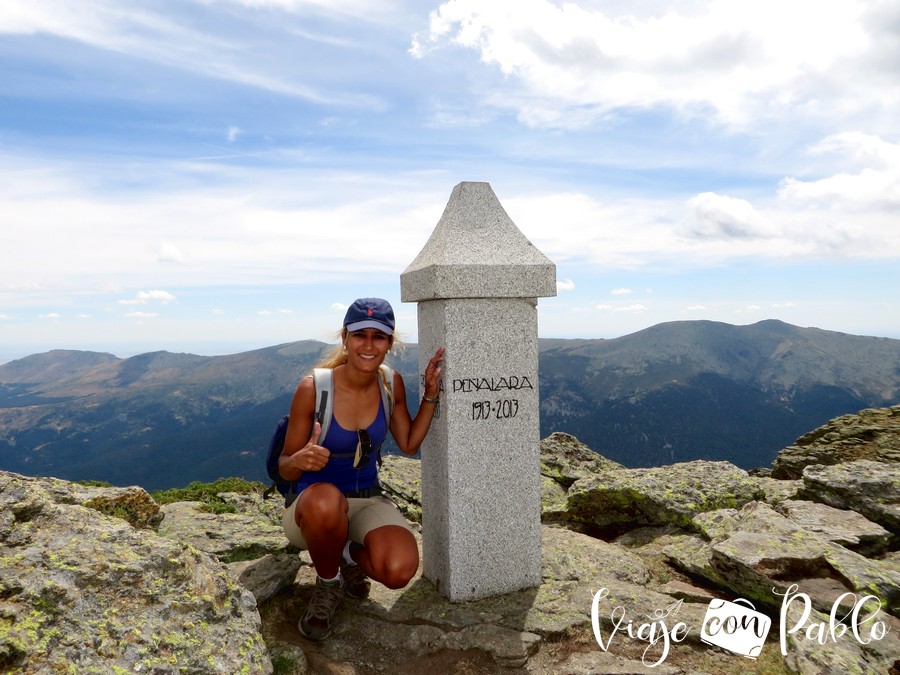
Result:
x=365 y=515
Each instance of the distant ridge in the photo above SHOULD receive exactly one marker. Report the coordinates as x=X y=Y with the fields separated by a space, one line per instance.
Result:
x=672 y=392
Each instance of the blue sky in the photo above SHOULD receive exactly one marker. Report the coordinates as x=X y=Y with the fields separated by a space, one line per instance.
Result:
x=219 y=175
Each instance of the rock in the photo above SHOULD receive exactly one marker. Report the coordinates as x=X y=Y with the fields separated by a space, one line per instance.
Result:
x=604 y=663
x=289 y=660
x=232 y=537
x=88 y=593
x=133 y=504
x=510 y=648
x=565 y=459
x=756 y=549
x=660 y=495
x=808 y=654
x=677 y=528
x=777 y=491
x=872 y=434
x=265 y=576
x=401 y=478
x=510 y=628
x=867 y=576
x=687 y=592
x=553 y=501
x=756 y=562
x=865 y=486
x=840 y=526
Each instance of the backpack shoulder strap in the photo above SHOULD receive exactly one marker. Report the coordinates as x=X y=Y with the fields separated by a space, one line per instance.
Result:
x=323 y=378
x=387 y=391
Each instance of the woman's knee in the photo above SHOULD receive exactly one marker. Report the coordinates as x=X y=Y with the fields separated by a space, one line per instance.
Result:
x=393 y=555
x=321 y=505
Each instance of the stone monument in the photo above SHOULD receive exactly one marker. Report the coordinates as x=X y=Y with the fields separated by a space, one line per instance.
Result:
x=476 y=283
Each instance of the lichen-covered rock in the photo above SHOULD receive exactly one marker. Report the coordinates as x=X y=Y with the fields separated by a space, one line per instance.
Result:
x=88 y=593
x=808 y=655
x=553 y=500
x=840 y=526
x=777 y=491
x=265 y=576
x=872 y=434
x=132 y=504
x=232 y=537
x=660 y=495
x=401 y=478
x=565 y=459
x=756 y=549
x=865 y=486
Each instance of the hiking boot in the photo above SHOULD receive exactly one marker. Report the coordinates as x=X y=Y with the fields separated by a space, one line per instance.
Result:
x=316 y=622
x=356 y=583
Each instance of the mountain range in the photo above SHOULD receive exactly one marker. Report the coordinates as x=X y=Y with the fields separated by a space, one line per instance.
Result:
x=672 y=392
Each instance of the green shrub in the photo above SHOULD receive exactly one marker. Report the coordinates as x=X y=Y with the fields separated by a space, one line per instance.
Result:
x=208 y=493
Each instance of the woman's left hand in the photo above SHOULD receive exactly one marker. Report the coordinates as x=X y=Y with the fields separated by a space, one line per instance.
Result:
x=433 y=374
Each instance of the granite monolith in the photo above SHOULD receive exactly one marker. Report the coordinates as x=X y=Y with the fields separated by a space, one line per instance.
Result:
x=476 y=282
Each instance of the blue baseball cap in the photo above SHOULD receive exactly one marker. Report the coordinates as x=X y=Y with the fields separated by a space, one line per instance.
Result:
x=370 y=313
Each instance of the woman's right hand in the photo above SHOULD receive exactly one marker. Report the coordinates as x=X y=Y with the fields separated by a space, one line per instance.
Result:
x=312 y=456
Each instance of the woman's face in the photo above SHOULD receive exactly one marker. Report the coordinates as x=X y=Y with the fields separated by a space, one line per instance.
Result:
x=366 y=348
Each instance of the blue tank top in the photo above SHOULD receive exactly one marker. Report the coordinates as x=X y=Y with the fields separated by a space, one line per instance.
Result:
x=339 y=470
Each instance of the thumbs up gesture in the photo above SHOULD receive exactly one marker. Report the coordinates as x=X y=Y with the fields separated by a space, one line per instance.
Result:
x=312 y=457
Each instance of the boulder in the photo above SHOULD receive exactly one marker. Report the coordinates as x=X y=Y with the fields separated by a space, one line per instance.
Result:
x=755 y=550
x=872 y=434
x=660 y=495
x=840 y=526
x=132 y=504
x=565 y=459
x=88 y=593
x=247 y=534
x=265 y=576
x=401 y=478
x=868 y=487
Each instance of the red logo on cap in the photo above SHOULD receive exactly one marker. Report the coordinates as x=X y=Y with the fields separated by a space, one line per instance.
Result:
x=370 y=311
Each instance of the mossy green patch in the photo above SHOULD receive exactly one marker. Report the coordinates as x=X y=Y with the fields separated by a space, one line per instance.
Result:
x=208 y=493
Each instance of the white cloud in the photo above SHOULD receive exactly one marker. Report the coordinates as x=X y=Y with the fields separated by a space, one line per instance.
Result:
x=145 y=297
x=141 y=315
x=147 y=33
x=621 y=291
x=233 y=133
x=713 y=216
x=565 y=285
x=168 y=252
x=875 y=185
x=634 y=308
x=745 y=61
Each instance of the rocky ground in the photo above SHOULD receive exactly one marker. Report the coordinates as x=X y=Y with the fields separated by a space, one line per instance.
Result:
x=104 y=580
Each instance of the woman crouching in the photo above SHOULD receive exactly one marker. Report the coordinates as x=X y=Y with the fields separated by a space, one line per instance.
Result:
x=351 y=531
